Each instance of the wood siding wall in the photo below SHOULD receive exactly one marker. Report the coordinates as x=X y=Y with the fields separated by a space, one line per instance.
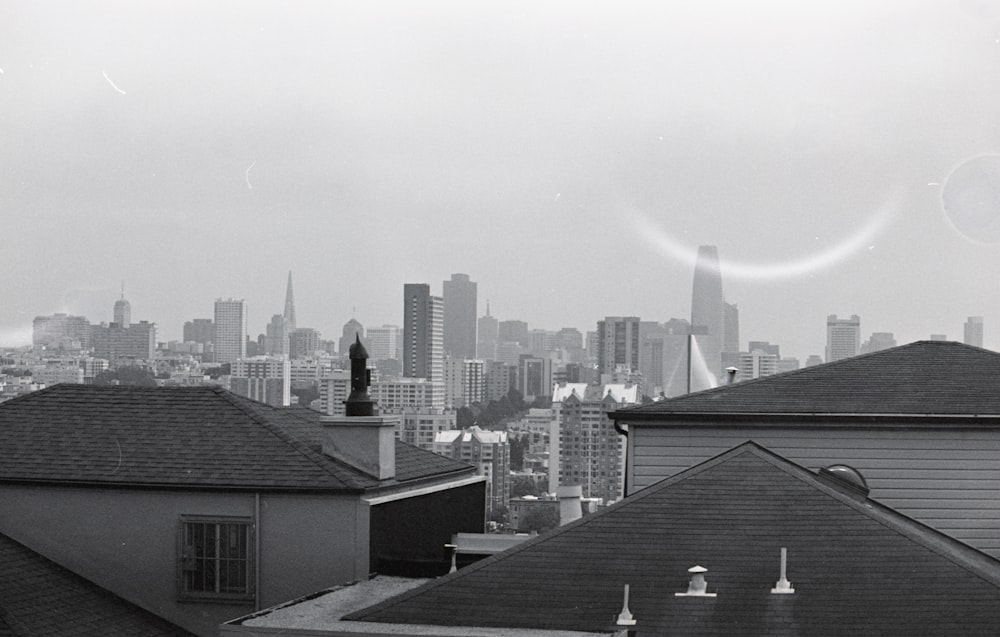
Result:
x=949 y=480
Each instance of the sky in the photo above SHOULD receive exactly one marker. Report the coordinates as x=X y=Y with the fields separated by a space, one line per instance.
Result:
x=569 y=156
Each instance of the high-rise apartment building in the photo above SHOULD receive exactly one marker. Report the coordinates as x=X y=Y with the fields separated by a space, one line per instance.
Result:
x=500 y=378
x=843 y=337
x=419 y=427
x=459 y=326
x=464 y=381
x=230 y=341
x=487 y=336
x=384 y=342
x=534 y=377
x=488 y=451
x=708 y=313
x=267 y=380
x=974 y=331
x=757 y=363
x=423 y=346
x=618 y=343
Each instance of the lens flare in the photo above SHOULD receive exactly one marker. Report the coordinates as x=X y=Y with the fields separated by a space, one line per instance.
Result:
x=859 y=240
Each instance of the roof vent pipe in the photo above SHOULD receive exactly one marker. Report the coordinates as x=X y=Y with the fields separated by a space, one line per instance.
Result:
x=625 y=617
x=783 y=587
x=697 y=587
x=731 y=371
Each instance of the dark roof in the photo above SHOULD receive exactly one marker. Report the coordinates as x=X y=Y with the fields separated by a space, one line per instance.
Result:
x=857 y=567
x=921 y=378
x=193 y=437
x=38 y=597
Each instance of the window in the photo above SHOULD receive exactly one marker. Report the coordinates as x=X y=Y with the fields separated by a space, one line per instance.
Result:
x=215 y=558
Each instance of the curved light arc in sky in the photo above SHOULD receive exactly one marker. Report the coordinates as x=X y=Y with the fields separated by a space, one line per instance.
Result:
x=827 y=257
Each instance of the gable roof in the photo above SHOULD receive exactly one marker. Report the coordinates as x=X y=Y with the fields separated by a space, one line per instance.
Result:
x=191 y=437
x=857 y=567
x=39 y=597
x=925 y=378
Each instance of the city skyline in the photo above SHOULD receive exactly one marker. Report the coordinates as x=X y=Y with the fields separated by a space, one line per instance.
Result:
x=570 y=159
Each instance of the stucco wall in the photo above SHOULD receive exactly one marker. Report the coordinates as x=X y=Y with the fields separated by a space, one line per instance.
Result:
x=127 y=542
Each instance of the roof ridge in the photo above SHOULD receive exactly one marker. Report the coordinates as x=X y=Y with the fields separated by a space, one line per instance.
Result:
x=556 y=532
x=319 y=459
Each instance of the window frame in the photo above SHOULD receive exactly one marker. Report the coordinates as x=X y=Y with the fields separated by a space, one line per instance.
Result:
x=248 y=595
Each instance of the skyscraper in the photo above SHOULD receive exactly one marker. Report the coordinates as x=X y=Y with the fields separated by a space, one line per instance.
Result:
x=708 y=308
x=382 y=342
x=289 y=313
x=618 y=343
x=843 y=337
x=230 y=330
x=123 y=310
x=460 y=317
x=352 y=328
x=974 y=331
x=423 y=347
x=486 y=347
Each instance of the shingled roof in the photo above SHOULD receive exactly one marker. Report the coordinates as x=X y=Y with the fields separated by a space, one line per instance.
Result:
x=856 y=567
x=192 y=437
x=39 y=597
x=924 y=378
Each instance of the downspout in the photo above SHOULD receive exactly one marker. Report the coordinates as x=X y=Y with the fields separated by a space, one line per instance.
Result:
x=623 y=432
x=256 y=551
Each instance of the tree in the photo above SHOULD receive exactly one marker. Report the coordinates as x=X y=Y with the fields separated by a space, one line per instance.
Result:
x=518 y=446
x=131 y=375
x=540 y=519
x=521 y=486
x=464 y=418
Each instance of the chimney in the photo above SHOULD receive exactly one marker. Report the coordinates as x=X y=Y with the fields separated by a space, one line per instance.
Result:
x=625 y=617
x=570 y=505
x=362 y=438
x=731 y=371
x=783 y=587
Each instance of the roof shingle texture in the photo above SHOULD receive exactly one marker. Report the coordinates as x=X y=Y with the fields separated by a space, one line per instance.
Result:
x=921 y=378
x=193 y=437
x=857 y=567
x=38 y=597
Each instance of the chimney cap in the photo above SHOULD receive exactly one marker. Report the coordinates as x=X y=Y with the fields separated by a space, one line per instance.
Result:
x=357 y=350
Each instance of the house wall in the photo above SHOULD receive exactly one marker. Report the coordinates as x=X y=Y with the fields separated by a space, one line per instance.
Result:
x=946 y=478
x=128 y=542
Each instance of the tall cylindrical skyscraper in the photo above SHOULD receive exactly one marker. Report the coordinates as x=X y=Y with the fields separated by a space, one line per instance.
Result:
x=708 y=307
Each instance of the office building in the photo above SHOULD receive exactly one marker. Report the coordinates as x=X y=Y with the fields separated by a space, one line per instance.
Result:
x=974 y=331
x=663 y=357
x=124 y=344
x=384 y=343
x=757 y=363
x=618 y=343
x=500 y=379
x=199 y=330
x=423 y=346
x=123 y=311
x=459 y=296
x=289 y=312
x=351 y=330
x=534 y=375
x=877 y=342
x=333 y=391
x=230 y=330
x=513 y=331
x=396 y=394
x=464 y=381
x=276 y=336
x=843 y=337
x=61 y=331
x=303 y=342
x=266 y=380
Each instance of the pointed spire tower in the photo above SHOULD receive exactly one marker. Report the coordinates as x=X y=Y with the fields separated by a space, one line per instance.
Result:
x=289 y=314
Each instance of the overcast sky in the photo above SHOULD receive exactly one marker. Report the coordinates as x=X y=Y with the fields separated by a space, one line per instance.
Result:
x=570 y=157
